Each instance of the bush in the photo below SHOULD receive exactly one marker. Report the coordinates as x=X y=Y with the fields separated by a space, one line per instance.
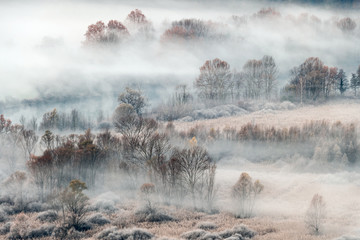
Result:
x=211 y=236
x=127 y=234
x=107 y=206
x=47 y=216
x=6 y=200
x=152 y=214
x=5 y=228
x=3 y=216
x=241 y=230
x=43 y=231
x=64 y=233
x=206 y=225
x=98 y=219
x=8 y=209
x=194 y=234
x=35 y=207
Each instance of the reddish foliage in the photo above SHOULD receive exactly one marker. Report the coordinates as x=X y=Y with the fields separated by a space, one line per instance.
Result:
x=113 y=32
x=5 y=124
x=136 y=16
x=267 y=13
x=187 y=29
x=95 y=31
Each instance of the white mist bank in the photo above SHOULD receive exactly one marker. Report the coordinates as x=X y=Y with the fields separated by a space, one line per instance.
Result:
x=43 y=53
x=287 y=193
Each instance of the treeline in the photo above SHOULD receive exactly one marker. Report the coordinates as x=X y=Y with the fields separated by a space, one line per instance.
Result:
x=313 y=80
x=137 y=26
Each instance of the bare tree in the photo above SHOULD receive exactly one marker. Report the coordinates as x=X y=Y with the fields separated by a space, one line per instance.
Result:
x=254 y=82
x=315 y=214
x=193 y=162
x=270 y=72
x=74 y=204
x=28 y=142
x=215 y=80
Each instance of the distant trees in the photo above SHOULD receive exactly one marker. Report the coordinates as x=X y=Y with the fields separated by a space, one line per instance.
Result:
x=136 y=16
x=134 y=98
x=346 y=24
x=214 y=81
x=267 y=13
x=187 y=29
x=342 y=82
x=260 y=78
x=257 y=80
x=312 y=80
x=178 y=105
x=112 y=33
x=315 y=214
x=193 y=163
x=55 y=120
x=355 y=81
x=139 y=25
x=244 y=194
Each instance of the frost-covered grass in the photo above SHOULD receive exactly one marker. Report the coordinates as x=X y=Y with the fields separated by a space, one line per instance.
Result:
x=339 y=111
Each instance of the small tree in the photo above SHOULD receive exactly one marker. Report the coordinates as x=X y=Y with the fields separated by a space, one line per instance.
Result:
x=193 y=164
x=74 y=204
x=134 y=98
x=147 y=191
x=244 y=193
x=15 y=183
x=342 y=81
x=354 y=83
x=315 y=215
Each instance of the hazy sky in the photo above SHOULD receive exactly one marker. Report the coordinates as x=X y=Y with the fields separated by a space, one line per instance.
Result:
x=42 y=51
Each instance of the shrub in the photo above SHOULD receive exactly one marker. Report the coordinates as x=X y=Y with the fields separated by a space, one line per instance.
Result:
x=35 y=207
x=3 y=216
x=4 y=229
x=43 y=231
x=107 y=206
x=98 y=219
x=20 y=227
x=211 y=236
x=63 y=233
x=194 y=234
x=241 y=230
x=206 y=225
x=152 y=214
x=75 y=202
x=47 y=216
x=127 y=234
x=8 y=209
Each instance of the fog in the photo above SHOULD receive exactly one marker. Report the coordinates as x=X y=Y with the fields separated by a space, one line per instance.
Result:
x=43 y=53
x=45 y=63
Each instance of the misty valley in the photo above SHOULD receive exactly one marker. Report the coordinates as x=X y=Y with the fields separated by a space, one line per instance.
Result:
x=196 y=120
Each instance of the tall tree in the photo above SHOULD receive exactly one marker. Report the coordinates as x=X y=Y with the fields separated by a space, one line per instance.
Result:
x=269 y=74
x=342 y=82
x=355 y=82
x=214 y=81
